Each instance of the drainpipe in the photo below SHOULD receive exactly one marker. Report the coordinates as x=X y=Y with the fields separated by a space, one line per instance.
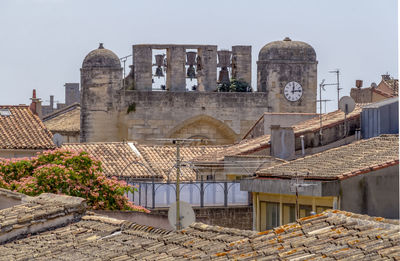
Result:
x=303 y=153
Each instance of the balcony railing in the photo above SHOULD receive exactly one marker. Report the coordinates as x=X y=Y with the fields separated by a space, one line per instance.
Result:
x=197 y=193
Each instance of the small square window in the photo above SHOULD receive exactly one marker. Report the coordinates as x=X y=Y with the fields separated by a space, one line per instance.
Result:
x=5 y=112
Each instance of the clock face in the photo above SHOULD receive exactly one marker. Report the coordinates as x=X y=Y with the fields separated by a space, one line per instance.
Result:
x=293 y=91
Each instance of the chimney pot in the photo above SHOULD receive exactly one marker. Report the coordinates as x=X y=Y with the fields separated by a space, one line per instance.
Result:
x=359 y=83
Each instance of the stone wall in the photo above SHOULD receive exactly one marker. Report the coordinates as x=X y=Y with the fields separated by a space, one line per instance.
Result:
x=240 y=217
x=221 y=118
x=72 y=93
x=361 y=95
x=99 y=117
x=273 y=76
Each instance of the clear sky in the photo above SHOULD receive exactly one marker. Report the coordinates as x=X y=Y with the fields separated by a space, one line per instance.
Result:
x=43 y=42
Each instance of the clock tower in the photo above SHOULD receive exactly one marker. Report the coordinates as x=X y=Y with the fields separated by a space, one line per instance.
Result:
x=287 y=71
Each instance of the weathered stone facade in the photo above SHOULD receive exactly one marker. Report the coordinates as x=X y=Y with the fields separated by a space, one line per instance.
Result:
x=116 y=109
x=221 y=118
x=281 y=62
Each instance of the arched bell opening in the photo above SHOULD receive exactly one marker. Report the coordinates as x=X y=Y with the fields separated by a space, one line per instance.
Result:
x=159 y=69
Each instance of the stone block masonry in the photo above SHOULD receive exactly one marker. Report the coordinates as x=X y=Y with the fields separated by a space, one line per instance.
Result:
x=220 y=118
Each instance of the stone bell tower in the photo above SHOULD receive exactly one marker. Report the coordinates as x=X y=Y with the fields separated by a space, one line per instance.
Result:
x=101 y=76
x=287 y=72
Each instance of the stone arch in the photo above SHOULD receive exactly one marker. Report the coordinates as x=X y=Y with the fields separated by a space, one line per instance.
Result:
x=204 y=126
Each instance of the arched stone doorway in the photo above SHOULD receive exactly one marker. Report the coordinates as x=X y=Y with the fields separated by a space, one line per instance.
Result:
x=210 y=130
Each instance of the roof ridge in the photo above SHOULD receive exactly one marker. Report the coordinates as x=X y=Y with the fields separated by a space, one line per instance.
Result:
x=15 y=106
x=99 y=142
x=60 y=111
x=364 y=219
x=124 y=224
x=382 y=164
x=376 y=166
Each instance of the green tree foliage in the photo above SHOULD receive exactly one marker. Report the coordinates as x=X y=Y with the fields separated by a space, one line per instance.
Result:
x=234 y=86
x=66 y=172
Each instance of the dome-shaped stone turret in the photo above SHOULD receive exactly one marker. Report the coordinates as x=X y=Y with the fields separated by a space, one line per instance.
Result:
x=287 y=50
x=101 y=57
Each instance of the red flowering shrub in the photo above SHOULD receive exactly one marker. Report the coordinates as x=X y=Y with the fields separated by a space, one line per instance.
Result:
x=66 y=172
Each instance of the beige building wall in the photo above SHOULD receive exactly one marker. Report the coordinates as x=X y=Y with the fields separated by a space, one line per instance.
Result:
x=283 y=202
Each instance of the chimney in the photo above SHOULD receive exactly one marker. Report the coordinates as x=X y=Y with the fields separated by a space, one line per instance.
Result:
x=72 y=93
x=359 y=84
x=52 y=102
x=36 y=105
x=282 y=142
x=385 y=77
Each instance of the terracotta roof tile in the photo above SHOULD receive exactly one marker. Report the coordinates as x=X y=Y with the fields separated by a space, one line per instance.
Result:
x=130 y=160
x=242 y=148
x=328 y=120
x=23 y=130
x=162 y=159
x=248 y=146
x=330 y=235
x=342 y=162
x=117 y=158
x=65 y=120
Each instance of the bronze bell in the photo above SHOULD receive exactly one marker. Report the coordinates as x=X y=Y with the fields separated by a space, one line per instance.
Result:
x=190 y=60
x=224 y=59
x=223 y=76
x=159 y=63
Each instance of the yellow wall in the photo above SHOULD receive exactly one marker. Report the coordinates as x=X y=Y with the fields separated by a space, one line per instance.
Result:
x=234 y=177
x=318 y=204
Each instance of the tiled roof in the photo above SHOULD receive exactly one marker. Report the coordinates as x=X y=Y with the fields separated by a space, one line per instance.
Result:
x=162 y=159
x=276 y=113
x=117 y=158
x=22 y=219
x=129 y=160
x=393 y=85
x=341 y=162
x=383 y=93
x=23 y=130
x=328 y=120
x=248 y=146
x=332 y=235
x=65 y=120
x=242 y=148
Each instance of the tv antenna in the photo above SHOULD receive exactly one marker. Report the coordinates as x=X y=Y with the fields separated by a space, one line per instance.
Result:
x=178 y=142
x=124 y=59
x=346 y=105
x=322 y=87
x=297 y=185
x=337 y=84
x=186 y=215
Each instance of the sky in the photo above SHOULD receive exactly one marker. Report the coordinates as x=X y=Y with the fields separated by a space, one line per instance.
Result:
x=43 y=42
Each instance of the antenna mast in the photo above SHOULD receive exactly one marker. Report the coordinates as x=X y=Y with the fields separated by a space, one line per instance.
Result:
x=178 y=143
x=123 y=59
x=337 y=84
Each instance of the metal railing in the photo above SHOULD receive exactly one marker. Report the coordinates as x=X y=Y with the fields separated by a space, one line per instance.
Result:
x=197 y=193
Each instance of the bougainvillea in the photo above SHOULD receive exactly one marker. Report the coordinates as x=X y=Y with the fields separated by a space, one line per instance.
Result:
x=66 y=172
